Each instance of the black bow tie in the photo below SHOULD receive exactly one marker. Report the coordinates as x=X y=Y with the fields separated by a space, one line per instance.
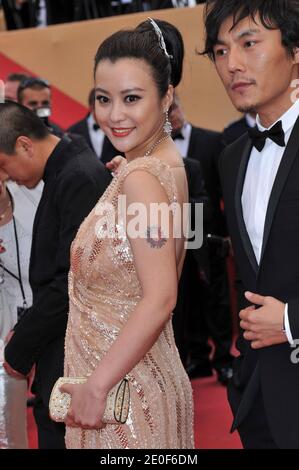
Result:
x=96 y=127
x=258 y=138
x=178 y=136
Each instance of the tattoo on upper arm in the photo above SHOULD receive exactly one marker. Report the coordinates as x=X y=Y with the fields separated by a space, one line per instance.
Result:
x=154 y=237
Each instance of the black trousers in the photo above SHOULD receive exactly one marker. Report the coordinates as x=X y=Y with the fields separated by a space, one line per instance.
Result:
x=212 y=317
x=203 y=312
x=254 y=430
x=49 y=368
x=50 y=434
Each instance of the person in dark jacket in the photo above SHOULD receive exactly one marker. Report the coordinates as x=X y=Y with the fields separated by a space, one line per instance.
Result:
x=210 y=312
x=73 y=182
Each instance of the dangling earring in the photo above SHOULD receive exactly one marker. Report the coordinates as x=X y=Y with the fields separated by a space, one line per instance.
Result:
x=167 y=124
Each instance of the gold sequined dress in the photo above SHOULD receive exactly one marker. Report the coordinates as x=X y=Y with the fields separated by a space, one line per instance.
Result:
x=104 y=290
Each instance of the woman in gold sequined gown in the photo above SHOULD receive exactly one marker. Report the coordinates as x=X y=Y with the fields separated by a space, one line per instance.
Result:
x=123 y=286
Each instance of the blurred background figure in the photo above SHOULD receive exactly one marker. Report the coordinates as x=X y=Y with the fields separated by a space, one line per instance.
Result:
x=30 y=13
x=17 y=211
x=93 y=135
x=40 y=13
x=210 y=315
x=35 y=94
x=186 y=312
x=12 y=84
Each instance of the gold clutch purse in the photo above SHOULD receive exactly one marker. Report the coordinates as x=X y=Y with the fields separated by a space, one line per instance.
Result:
x=117 y=404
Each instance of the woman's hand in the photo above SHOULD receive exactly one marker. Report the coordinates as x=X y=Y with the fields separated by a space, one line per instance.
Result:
x=87 y=407
x=115 y=164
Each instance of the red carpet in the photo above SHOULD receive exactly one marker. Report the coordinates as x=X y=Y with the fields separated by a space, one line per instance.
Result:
x=66 y=110
x=212 y=418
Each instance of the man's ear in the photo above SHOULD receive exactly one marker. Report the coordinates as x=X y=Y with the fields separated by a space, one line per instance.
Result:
x=24 y=146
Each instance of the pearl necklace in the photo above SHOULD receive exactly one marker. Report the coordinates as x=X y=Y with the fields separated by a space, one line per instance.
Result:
x=155 y=144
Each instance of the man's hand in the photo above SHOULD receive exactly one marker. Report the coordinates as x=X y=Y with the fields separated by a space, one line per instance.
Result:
x=12 y=372
x=263 y=325
x=115 y=164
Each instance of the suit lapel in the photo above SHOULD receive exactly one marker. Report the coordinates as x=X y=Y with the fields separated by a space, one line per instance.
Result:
x=238 y=206
x=285 y=166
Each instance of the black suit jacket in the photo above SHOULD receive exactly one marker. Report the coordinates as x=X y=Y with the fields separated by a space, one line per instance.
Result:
x=60 y=11
x=235 y=130
x=74 y=181
x=277 y=275
x=206 y=146
x=108 y=151
x=198 y=194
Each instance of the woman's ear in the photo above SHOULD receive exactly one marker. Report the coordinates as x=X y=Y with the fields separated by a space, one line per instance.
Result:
x=168 y=98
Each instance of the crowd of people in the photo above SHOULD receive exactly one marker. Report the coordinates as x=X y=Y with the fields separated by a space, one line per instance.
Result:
x=85 y=295
x=31 y=13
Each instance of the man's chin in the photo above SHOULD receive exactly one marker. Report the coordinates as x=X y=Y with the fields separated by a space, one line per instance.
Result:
x=246 y=109
x=27 y=184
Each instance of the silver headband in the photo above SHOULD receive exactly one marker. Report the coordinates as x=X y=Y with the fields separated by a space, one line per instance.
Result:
x=160 y=37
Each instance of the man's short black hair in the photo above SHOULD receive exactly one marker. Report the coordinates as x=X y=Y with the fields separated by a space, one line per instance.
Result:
x=16 y=121
x=16 y=77
x=34 y=83
x=274 y=14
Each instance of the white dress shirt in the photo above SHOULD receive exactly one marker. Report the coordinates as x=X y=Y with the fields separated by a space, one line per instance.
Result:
x=183 y=144
x=260 y=175
x=96 y=136
x=42 y=17
x=251 y=121
x=25 y=202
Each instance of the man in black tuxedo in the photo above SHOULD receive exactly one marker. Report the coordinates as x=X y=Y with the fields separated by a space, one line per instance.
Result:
x=93 y=135
x=35 y=93
x=196 y=263
x=73 y=182
x=211 y=315
x=255 y=47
